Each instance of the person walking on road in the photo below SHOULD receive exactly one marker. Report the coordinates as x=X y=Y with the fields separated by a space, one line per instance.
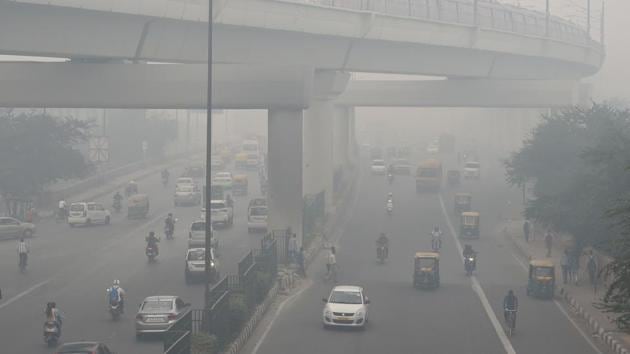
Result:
x=331 y=265
x=548 y=243
x=526 y=230
x=564 y=265
x=22 y=250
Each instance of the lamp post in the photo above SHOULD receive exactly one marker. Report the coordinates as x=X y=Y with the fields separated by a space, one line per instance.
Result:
x=208 y=189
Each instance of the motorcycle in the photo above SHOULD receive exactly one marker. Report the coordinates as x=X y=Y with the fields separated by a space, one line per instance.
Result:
x=436 y=244
x=469 y=264
x=51 y=333
x=390 y=208
x=381 y=253
x=117 y=205
x=390 y=178
x=151 y=251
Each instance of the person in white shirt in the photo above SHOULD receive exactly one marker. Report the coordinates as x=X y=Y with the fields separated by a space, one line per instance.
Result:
x=331 y=263
x=22 y=250
x=62 y=209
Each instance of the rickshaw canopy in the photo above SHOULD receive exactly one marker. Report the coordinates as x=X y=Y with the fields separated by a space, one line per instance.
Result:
x=434 y=255
x=543 y=263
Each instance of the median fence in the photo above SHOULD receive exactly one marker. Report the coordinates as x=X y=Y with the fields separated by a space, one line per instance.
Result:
x=232 y=301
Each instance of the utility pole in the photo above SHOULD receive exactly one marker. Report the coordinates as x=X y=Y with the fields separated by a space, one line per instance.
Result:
x=208 y=198
x=547 y=16
x=588 y=18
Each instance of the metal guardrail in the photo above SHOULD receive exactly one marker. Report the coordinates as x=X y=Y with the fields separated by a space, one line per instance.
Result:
x=482 y=14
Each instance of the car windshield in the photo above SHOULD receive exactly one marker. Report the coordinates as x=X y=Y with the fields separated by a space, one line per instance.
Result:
x=77 y=207
x=345 y=297
x=428 y=172
x=258 y=211
x=217 y=205
x=378 y=163
x=184 y=181
x=472 y=164
x=185 y=188
x=196 y=255
x=198 y=226
x=157 y=306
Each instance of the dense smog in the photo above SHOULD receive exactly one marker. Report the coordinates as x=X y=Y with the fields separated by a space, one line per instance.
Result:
x=314 y=176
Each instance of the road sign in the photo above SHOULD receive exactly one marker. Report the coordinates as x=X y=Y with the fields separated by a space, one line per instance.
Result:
x=99 y=149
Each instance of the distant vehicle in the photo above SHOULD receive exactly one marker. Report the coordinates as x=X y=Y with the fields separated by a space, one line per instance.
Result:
x=196 y=265
x=257 y=214
x=346 y=306
x=158 y=313
x=472 y=170
x=402 y=167
x=433 y=148
x=182 y=181
x=88 y=213
x=250 y=145
x=216 y=162
x=223 y=179
x=186 y=194
x=376 y=153
x=378 y=167
x=221 y=213
x=195 y=172
x=14 y=228
x=253 y=160
x=429 y=176
x=197 y=235
x=84 y=348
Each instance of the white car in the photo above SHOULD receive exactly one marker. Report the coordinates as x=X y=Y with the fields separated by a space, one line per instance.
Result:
x=88 y=213
x=197 y=235
x=186 y=194
x=221 y=213
x=471 y=170
x=433 y=148
x=346 y=306
x=223 y=179
x=184 y=181
x=257 y=218
x=196 y=264
x=378 y=167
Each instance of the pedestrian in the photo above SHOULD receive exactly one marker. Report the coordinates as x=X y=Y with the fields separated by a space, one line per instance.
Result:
x=591 y=267
x=293 y=248
x=300 y=262
x=331 y=264
x=564 y=265
x=526 y=229
x=574 y=266
x=548 y=243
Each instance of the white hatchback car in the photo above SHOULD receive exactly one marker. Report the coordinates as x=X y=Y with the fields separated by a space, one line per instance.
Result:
x=346 y=306
x=378 y=167
x=88 y=213
x=223 y=179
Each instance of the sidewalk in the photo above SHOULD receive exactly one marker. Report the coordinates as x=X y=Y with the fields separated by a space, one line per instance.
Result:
x=580 y=298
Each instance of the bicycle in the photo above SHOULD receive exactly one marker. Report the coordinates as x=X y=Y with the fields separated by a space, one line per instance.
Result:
x=510 y=322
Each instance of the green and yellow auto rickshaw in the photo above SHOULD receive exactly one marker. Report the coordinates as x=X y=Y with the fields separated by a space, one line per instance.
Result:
x=469 y=225
x=463 y=202
x=426 y=271
x=137 y=206
x=542 y=278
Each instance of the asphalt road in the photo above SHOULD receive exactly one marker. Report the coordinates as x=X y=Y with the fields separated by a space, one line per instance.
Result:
x=74 y=266
x=451 y=319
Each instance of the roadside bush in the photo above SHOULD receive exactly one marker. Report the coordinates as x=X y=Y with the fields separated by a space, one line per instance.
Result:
x=238 y=313
x=203 y=343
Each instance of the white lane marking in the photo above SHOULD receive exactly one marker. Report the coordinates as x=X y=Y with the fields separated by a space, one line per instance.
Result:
x=23 y=293
x=275 y=316
x=564 y=312
x=498 y=328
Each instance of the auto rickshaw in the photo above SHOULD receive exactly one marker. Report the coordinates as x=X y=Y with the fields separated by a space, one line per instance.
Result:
x=462 y=202
x=131 y=189
x=426 y=271
x=240 y=161
x=137 y=206
x=542 y=278
x=239 y=186
x=469 y=225
x=453 y=177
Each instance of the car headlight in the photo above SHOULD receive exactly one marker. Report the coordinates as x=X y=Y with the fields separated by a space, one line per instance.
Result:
x=359 y=313
x=327 y=313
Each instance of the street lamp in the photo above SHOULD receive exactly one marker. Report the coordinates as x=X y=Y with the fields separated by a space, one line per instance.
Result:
x=208 y=191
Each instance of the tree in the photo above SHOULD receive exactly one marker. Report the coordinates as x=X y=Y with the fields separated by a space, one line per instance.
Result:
x=617 y=297
x=37 y=149
x=576 y=159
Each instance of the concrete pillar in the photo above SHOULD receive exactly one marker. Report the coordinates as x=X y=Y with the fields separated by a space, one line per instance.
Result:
x=341 y=137
x=318 y=150
x=353 y=147
x=285 y=170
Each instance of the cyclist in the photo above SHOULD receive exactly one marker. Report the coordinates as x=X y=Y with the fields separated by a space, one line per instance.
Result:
x=510 y=303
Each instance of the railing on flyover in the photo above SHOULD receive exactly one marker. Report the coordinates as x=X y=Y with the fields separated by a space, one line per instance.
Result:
x=494 y=16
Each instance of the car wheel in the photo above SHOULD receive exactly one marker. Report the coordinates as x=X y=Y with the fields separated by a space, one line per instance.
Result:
x=107 y=220
x=28 y=233
x=88 y=222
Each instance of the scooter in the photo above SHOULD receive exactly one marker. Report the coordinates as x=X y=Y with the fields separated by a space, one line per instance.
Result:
x=151 y=252
x=51 y=333
x=470 y=264
x=381 y=253
x=117 y=205
x=115 y=310
x=390 y=208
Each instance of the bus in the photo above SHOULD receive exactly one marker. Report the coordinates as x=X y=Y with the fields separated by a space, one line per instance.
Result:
x=429 y=176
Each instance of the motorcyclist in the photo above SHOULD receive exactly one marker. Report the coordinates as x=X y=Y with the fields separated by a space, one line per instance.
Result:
x=390 y=206
x=165 y=174
x=436 y=237
x=169 y=224
x=510 y=303
x=62 y=211
x=132 y=188
x=383 y=241
x=152 y=241
x=54 y=315
x=117 y=199
x=119 y=295
x=390 y=196
x=469 y=252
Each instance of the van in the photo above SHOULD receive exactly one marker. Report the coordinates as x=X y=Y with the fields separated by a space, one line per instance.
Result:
x=84 y=213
